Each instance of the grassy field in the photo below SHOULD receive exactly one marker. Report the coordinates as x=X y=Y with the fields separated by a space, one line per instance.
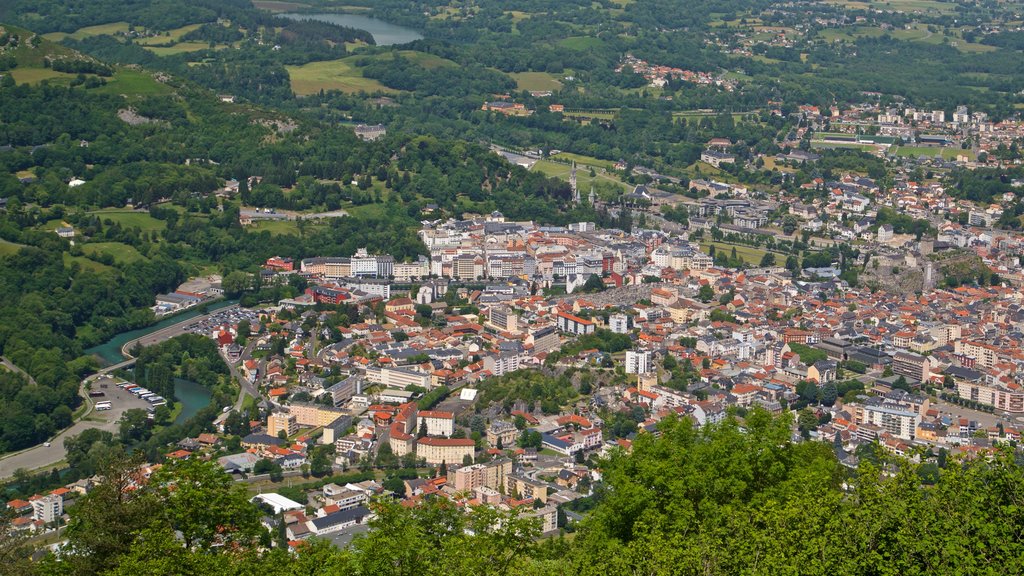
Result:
x=169 y=37
x=180 y=48
x=586 y=160
x=332 y=75
x=590 y=114
x=581 y=43
x=127 y=82
x=85 y=263
x=37 y=75
x=275 y=6
x=583 y=178
x=536 y=81
x=122 y=253
x=7 y=248
x=131 y=219
x=947 y=153
x=749 y=254
x=98 y=30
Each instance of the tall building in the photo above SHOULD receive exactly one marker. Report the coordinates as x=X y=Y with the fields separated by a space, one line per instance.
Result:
x=48 y=508
x=282 y=421
x=638 y=362
x=489 y=475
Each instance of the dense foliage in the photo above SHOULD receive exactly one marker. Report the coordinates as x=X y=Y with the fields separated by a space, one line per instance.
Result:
x=719 y=500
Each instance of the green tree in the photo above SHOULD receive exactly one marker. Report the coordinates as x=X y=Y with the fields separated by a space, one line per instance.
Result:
x=706 y=293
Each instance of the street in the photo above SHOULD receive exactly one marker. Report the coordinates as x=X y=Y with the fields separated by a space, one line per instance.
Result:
x=43 y=457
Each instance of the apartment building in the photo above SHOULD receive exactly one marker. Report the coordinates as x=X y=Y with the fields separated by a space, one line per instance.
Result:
x=914 y=367
x=279 y=422
x=638 y=362
x=49 y=508
x=574 y=324
x=488 y=475
x=437 y=422
x=448 y=450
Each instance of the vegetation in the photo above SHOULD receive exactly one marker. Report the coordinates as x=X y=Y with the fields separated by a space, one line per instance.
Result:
x=730 y=499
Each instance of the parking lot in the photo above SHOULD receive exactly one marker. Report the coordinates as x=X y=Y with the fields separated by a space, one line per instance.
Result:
x=42 y=456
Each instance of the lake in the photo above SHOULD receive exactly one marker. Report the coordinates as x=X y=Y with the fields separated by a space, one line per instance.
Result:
x=110 y=351
x=193 y=398
x=384 y=33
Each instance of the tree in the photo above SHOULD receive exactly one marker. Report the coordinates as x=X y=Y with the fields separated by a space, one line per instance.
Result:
x=706 y=293
x=202 y=503
x=768 y=260
x=235 y=283
x=807 y=422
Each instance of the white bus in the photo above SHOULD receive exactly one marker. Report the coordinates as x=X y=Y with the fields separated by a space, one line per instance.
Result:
x=103 y=405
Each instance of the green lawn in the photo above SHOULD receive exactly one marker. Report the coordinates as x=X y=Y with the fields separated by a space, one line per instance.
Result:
x=583 y=179
x=127 y=82
x=276 y=227
x=749 y=254
x=171 y=36
x=122 y=253
x=332 y=75
x=581 y=43
x=179 y=48
x=588 y=160
x=7 y=248
x=37 y=75
x=82 y=33
x=947 y=153
x=536 y=81
x=131 y=219
x=275 y=6
x=85 y=263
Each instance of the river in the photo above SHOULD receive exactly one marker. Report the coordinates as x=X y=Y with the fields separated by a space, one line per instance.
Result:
x=384 y=33
x=110 y=351
x=193 y=398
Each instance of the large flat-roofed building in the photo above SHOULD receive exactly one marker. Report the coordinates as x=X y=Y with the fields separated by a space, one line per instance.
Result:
x=490 y=475
x=398 y=378
x=502 y=318
x=574 y=324
x=448 y=450
x=314 y=414
x=279 y=422
x=914 y=367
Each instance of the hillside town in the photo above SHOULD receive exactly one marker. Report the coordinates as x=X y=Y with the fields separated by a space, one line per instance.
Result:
x=429 y=364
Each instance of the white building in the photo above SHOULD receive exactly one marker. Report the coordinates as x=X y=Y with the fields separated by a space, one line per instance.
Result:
x=618 y=323
x=48 y=508
x=638 y=362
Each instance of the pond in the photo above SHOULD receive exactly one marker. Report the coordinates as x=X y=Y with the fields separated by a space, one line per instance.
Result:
x=384 y=33
x=193 y=398
x=110 y=351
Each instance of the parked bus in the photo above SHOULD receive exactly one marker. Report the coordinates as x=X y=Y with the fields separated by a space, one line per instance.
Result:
x=106 y=405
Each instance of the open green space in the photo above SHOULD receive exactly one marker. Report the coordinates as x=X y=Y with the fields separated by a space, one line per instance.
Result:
x=583 y=178
x=128 y=82
x=749 y=254
x=536 y=81
x=947 y=153
x=85 y=263
x=120 y=252
x=275 y=6
x=332 y=75
x=586 y=160
x=7 y=247
x=581 y=43
x=180 y=48
x=168 y=37
x=131 y=219
x=99 y=30
x=37 y=75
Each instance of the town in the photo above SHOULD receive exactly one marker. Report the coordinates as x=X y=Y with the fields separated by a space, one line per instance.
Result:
x=516 y=355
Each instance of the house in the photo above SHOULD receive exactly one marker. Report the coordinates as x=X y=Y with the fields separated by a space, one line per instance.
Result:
x=370 y=133
x=339 y=520
x=717 y=158
x=65 y=232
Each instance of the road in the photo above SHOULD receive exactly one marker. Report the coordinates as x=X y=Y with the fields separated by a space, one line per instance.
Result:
x=171 y=331
x=45 y=457
x=10 y=366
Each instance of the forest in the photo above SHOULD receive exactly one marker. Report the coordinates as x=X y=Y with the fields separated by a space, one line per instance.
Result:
x=725 y=499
